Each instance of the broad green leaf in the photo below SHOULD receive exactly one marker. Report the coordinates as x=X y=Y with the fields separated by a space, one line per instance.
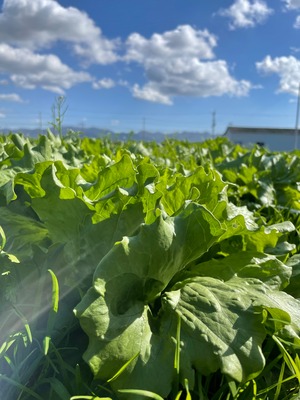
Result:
x=69 y=210
x=294 y=285
x=121 y=174
x=203 y=187
x=31 y=182
x=272 y=239
x=131 y=276
x=132 y=307
x=22 y=234
x=258 y=266
x=80 y=206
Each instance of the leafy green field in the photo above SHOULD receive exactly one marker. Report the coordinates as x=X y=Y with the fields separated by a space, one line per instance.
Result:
x=135 y=270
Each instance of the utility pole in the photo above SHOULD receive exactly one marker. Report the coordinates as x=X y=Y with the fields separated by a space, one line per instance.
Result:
x=297 y=119
x=213 y=123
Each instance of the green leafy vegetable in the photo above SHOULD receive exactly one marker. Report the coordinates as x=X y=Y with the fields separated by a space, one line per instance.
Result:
x=180 y=259
x=146 y=281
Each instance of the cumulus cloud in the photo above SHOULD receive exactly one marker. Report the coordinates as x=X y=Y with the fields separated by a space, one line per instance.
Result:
x=108 y=83
x=105 y=83
x=292 y=4
x=287 y=69
x=30 y=70
x=40 y=23
x=27 y=26
x=295 y=49
x=151 y=92
x=181 y=63
x=246 y=13
x=297 y=22
x=184 y=39
x=11 y=97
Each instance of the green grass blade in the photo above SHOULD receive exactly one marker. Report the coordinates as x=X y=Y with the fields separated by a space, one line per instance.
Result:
x=3 y=239
x=186 y=385
x=53 y=311
x=25 y=323
x=288 y=359
x=9 y=362
x=177 y=350
x=232 y=387
x=145 y=393
x=6 y=345
x=123 y=368
x=21 y=387
x=254 y=385
x=280 y=379
x=263 y=391
x=176 y=379
x=55 y=291
x=59 y=388
x=178 y=395
x=89 y=398
x=61 y=364
x=46 y=344
x=78 y=378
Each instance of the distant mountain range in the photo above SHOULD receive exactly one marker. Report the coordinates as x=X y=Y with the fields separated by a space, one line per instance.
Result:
x=123 y=136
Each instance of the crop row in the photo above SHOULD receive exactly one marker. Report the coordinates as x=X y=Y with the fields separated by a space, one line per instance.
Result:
x=135 y=270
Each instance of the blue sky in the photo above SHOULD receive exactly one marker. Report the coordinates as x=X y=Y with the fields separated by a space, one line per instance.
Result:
x=160 y=65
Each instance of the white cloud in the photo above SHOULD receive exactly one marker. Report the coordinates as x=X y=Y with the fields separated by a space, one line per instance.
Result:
x=30 y=70
x=37 y=24
x=179 y=63
x=2 y=115
x=11 y=97
x=27 y=26
x=105 y=83
x=292 y=4
x=151 y=92
x=108 y=83
x=287 y=69
x=295 y=49
x=246 y=13
x=184 y=39
x=297 y=22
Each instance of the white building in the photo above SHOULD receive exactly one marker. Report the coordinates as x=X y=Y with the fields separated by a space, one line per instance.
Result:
x=274 y=139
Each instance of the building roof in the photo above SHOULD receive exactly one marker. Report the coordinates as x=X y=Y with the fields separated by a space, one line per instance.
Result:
x=258 y=130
